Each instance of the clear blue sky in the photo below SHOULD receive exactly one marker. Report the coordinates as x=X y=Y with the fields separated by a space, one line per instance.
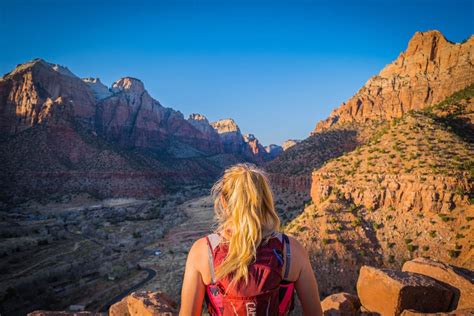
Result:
x=275 y=67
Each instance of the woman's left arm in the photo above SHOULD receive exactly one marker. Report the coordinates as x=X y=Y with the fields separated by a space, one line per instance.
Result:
x=192 y=293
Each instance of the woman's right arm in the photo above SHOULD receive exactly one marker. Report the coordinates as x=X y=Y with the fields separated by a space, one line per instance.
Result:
x=306 y=285
x=193 y=291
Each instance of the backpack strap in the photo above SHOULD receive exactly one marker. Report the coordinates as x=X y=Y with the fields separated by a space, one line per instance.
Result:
x=286 y=242
x=213 y=241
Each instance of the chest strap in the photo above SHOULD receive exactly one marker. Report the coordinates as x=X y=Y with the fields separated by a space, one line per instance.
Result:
x=211 y=258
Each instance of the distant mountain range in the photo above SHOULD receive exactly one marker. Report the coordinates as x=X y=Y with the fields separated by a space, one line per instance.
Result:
x=61 y=134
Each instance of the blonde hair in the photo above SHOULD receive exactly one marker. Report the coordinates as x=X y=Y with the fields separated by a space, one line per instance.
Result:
x=243 y=202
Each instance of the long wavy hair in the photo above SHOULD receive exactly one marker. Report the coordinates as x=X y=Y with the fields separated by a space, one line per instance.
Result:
x=243 y=202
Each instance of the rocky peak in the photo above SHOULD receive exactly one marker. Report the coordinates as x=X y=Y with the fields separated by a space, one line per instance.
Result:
x=201 y=123
x=37 y=90
x=272 y=147
x=198 y=117
x=62 y=70
x=226 y=126
x=290 y=143
x=99 y=89
x=426 y=43
x=430 y=69
x=129 y=85
x=273 y=151
x=249 y=138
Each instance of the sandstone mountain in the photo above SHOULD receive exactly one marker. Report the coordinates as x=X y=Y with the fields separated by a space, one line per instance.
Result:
x=290 y=143
x=407 y=192
x=273 y=150
x=431 y=69
x=64 y=134
x=245 y=146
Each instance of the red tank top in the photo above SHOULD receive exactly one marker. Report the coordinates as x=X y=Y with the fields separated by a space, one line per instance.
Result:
x=266 y=293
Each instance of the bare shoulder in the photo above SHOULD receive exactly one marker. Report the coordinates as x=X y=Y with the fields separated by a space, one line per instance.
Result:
x=198 y=247
x=196 y=252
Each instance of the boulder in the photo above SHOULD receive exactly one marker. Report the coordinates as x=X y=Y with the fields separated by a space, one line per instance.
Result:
x=462 y=280
x=120 y=308
x=459 y=312
x=340 y=304
x=64 y=313
x=145 y=304
x=389 y=292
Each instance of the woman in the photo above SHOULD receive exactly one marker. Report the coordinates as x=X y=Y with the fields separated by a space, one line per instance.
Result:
x=247 y=267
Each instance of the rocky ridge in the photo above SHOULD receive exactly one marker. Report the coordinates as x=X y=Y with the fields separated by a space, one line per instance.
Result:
x=428 y=71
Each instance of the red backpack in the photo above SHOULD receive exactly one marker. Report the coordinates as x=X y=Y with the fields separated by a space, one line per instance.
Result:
x=267 y=293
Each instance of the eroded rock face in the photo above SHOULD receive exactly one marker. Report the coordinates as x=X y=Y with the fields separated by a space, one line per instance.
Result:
x=201 y=123
x=132 y=118
x=254 y=149
x=404 y=192
x=290 y=143
x=273 y=151
x=462 y=280
x=230 y=135
x=390 y=292
x=246 y=146
x=145 y=304
x=407 y=168
x=341 y=304
x=431 y=69
x=36 y=92
x=100 y=90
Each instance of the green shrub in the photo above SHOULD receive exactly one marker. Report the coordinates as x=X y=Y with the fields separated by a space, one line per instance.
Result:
x=356 y=222
x=377 y=225
x=454 y=253
x=412 y=248
x=391 y=258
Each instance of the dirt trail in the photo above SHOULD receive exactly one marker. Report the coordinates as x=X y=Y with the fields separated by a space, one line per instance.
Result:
x=176 y=244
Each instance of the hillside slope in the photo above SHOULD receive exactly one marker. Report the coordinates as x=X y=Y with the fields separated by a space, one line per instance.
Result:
x=408 y=192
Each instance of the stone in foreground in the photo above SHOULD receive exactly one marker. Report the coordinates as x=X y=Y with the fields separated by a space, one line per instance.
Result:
x=145 y=304
x=459 y=312
x=462 y=280
x=57 y=313
x=389 y=292
x=340 y=304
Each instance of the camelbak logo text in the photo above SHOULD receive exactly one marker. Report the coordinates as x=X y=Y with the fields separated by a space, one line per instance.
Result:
x=251 y=309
